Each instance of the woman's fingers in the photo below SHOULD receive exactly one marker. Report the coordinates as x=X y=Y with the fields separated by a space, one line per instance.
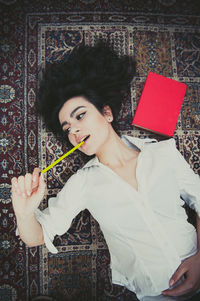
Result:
x=15 y=187
x=14 y=183
x=25 y=196
x=36 y=177
x=21 y=185
x=28 y=184
x=42 y=186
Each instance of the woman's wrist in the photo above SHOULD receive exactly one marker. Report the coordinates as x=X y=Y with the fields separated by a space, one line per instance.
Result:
x=24 y=217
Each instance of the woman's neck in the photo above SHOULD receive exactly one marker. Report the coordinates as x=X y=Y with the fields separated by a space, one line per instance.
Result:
x=115 y=153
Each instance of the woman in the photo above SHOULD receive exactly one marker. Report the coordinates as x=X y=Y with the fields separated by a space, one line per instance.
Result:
x=133 y=187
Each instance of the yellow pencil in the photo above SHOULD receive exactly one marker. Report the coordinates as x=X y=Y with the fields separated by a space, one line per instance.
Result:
x=65 y=155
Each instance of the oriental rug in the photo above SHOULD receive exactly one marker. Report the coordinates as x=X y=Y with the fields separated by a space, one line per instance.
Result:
x=165 y=39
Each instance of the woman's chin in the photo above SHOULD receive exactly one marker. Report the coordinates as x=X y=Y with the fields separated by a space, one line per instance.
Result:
x=87 y=152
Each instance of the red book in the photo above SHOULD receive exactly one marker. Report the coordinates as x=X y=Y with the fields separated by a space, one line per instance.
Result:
x=160 y=104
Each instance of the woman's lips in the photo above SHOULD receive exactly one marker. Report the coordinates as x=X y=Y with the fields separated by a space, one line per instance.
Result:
x=85 y=141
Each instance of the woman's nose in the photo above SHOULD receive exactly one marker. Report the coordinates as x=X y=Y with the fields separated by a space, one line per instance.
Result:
x=74 y=129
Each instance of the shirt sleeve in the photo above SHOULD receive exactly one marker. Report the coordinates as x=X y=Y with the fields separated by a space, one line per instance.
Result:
x=189 y=182
x=57 y=217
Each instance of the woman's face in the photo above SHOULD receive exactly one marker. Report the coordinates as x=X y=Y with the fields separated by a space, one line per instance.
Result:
x=79 y=118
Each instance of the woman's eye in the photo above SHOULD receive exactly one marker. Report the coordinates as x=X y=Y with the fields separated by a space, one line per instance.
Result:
x=80 y=116
x=66 y=132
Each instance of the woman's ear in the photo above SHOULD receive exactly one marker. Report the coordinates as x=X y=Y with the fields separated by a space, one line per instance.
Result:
x=107 y=112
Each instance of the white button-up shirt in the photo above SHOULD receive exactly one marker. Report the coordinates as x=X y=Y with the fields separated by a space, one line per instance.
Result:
x=146 y=230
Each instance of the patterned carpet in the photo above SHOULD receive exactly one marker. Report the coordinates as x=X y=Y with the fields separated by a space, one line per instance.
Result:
x=164 y=36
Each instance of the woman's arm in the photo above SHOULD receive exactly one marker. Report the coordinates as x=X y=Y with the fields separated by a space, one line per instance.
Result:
x=191 y=269
x=188 y=181
x=189 y=184
x=30 y=230
x=27 y=193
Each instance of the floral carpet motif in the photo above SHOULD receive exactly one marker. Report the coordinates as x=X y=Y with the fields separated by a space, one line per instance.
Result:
x=165 y=39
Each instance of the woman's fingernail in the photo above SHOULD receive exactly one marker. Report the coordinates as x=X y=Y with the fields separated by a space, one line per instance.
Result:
x=29 y=193
x=171 y=282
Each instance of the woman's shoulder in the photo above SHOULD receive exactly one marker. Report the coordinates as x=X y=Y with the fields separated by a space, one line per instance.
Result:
x=164 y=147
x=165 y=144
x=150 y=143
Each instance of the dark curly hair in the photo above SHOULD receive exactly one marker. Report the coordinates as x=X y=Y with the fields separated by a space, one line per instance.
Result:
x=96 y=73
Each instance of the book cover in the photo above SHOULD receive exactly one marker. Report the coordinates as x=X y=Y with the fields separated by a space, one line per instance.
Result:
x=160 y=104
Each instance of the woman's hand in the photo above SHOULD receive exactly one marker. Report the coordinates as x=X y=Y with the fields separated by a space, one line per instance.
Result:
x=190 y=267
x=27 y=193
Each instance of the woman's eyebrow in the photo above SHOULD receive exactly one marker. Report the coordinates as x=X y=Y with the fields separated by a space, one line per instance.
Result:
x=72 y=114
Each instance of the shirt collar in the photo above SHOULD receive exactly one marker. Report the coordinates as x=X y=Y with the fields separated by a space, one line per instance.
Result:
x=135 y=142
